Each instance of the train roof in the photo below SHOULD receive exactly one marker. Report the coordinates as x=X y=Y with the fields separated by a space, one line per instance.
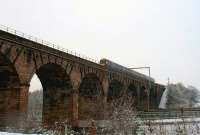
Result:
x=115 y=66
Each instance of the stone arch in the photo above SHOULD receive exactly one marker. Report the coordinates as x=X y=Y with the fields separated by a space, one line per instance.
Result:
x=21 y=59
x=90 y=86
x=115 y=89
x=143 y=97
x=54 y=76
x=152 y=98
x=90 y=97
x=41 y=59
x=57 y=93
x=143 y=93
x=9 y=92
x=8 y=74
x=133 y=92
x=8 y=53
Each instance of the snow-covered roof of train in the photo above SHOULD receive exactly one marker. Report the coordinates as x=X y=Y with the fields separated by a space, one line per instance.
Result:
x=118 y=67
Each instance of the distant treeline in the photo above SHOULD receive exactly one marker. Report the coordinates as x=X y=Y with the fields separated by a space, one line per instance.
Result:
x=180 y=96
x=35 y=105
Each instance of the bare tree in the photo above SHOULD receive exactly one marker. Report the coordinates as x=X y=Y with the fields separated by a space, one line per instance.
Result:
x=122 y=116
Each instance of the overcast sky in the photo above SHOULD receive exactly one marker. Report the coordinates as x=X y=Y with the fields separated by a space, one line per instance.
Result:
x=163 y=34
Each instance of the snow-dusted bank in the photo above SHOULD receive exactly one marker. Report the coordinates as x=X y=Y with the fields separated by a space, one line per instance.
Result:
x=6 y=133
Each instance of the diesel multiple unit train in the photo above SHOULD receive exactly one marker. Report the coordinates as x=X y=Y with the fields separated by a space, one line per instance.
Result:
x=119 y=68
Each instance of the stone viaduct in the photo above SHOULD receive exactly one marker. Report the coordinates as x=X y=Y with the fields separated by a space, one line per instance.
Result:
x=73 y=88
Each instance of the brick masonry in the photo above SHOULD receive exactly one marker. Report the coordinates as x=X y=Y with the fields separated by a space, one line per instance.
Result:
x=64 y=77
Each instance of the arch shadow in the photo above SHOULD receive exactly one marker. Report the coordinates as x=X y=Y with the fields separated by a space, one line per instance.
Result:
x=90 y=98
x=132 y=91
x=115 y=90
x=57 y=94
x=9 y=93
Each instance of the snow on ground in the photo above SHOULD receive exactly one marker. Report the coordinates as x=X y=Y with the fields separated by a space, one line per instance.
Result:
x=6 y=133
x=191 y=126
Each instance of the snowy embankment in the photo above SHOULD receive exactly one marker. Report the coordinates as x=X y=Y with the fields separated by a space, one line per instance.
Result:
x=6 y=133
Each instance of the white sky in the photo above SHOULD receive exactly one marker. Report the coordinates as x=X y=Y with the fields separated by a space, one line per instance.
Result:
x=163 y=34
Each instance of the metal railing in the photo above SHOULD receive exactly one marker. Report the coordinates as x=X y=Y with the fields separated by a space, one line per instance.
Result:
x=46 y=43
x=170 y=114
